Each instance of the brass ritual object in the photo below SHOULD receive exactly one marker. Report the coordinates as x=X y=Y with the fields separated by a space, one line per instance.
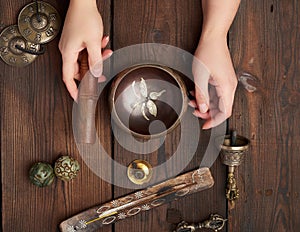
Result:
x=139 y=172
x=143 y=94
x=138 y=202
x=12 y=45
x=215 y=222
x=39 y=22
x=147 y=101
x=232 y=154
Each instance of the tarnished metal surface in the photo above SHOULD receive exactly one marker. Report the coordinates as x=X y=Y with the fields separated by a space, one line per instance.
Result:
x=39 y=22
x=10 y=39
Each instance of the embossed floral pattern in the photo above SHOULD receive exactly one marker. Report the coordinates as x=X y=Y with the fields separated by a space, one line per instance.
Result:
x=138 y=195
x=115 y=203
x=145 y=207
x=121 y=216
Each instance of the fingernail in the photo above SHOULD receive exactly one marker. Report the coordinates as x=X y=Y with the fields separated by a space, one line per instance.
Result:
x=191 y=104
x=203 y=108
x=107 y=56
x=97 y=70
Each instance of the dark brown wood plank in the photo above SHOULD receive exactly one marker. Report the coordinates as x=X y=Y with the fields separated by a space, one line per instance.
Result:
x=176 y=23
x=265 y=42
x=36 y=125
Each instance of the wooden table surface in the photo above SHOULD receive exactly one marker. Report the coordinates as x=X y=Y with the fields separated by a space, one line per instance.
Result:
x=36 y=121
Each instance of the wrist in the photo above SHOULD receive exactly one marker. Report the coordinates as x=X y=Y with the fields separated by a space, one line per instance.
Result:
x=213 y=34
x=83 y=3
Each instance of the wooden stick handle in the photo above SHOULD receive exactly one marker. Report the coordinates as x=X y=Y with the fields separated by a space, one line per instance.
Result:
x=87 y=102
x=84 y=64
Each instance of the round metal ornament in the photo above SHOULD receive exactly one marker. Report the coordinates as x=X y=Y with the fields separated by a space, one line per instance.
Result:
x=139 y=172
x=39 y=22
x=11 y=45
x=66 y=168
x=41 y=174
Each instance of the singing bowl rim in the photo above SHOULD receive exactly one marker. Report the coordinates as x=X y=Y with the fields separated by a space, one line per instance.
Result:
x=123 y=74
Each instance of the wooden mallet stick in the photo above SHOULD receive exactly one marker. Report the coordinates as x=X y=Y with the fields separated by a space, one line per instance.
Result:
x=87 y=101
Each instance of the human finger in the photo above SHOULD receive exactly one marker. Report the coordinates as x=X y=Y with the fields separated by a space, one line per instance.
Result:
x=106 y=54
x=204 y=116
x=72 y=88
x=104 y=41
x=218 y=118
x=78 y=77
x=193 y=103
x=101 y=79
x=95 y=59
x=201 y=94
x=70 y=66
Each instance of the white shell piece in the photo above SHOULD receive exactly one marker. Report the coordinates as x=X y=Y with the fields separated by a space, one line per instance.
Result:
x=143 y=88
x=121 y=216
x=152 y=108
x=109 y=220
x=155 y=95
x=146 y=207
x=158 y=202
x=182 y=192
x=133 y=89
x=143 y=111
x=134 y=211
x=103 y=209
x=139 y=195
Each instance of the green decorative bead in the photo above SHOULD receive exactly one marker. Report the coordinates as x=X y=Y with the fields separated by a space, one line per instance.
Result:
x=66 y=168
x=41 y=174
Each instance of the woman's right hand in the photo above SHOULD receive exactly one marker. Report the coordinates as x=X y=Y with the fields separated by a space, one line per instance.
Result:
x=83 y=28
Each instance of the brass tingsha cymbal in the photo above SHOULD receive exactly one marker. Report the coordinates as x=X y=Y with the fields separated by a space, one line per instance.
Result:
x=10 y=39
x=39 y=22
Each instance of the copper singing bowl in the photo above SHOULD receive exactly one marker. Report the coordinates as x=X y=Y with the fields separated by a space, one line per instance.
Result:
x=148 y=100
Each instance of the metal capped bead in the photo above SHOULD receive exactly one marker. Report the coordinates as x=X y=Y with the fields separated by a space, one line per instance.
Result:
x=41 y=174
x=66 y=168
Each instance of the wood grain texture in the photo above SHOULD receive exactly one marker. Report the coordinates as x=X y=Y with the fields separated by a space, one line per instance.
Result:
x=36 y=125
x=176 y=23
x=265 y=42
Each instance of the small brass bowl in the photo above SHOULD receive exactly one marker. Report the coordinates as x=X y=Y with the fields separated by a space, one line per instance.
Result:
x=139 y=172
x=148 y=100
x=233 y=155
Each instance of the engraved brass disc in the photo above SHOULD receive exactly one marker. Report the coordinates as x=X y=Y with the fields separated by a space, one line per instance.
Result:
x=10 y=37
x=39 y=22
x=139 y=172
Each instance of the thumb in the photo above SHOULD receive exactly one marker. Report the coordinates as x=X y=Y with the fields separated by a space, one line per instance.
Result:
x=95 y=59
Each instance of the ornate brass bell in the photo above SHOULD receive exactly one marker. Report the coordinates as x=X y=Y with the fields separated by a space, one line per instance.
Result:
x=233 y=150
x=39 y=22
x=11 y=45
x=139 y=172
